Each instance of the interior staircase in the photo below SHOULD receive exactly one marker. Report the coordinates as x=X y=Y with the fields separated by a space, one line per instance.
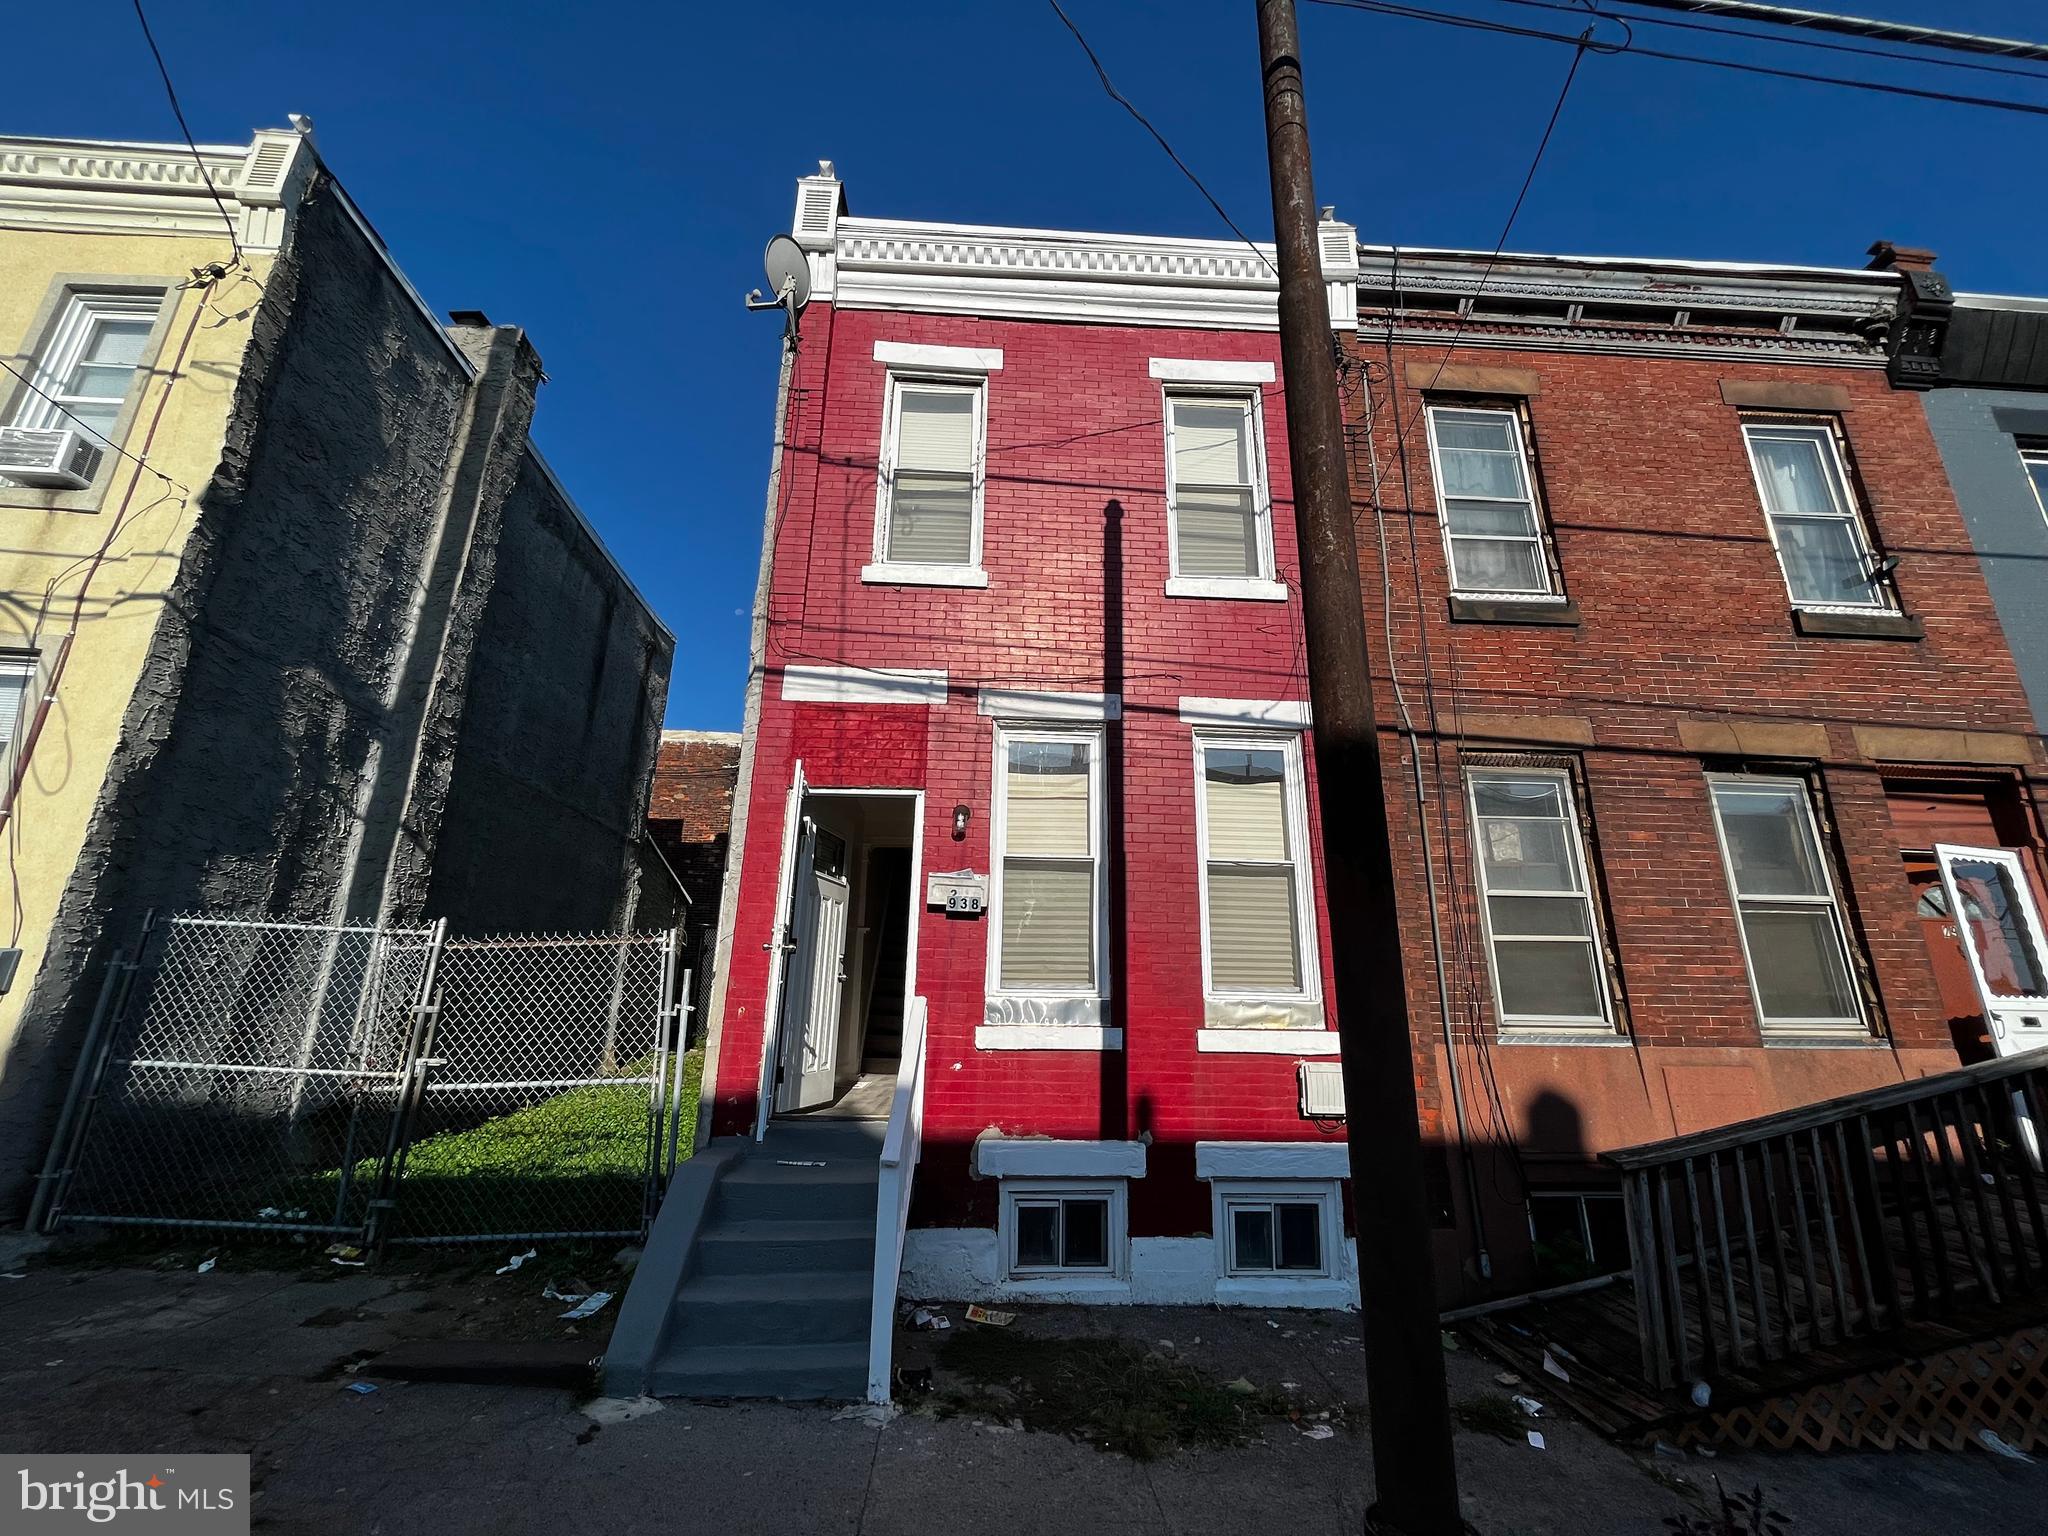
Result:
x=774 y=1298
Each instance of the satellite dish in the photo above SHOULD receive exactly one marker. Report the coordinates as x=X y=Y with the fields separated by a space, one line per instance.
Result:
x=789 y=280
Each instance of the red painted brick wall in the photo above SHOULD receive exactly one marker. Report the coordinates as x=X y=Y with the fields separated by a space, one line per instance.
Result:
x=1076 y=464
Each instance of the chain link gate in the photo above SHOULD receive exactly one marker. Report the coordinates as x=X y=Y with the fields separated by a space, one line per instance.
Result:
x=374 y=1085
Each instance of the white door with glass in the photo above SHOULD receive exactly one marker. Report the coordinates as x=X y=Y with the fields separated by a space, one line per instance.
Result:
x=1992 y=906
x=816 y=984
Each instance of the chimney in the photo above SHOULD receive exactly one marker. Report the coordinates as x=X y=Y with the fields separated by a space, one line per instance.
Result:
x=468 y=319
x=1887 y=257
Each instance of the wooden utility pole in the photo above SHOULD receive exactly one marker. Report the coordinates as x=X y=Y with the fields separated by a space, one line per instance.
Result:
x=1413 y=1469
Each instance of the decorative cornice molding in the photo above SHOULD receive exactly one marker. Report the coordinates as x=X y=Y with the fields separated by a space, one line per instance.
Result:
x=91 y=187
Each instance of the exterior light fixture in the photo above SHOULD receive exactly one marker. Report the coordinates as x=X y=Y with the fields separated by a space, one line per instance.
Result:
x=960 y=815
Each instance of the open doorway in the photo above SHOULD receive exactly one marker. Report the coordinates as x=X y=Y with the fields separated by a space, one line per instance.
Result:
x=851 y=962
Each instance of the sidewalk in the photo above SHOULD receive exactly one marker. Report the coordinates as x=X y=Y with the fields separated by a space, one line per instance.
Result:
x=134 y=1359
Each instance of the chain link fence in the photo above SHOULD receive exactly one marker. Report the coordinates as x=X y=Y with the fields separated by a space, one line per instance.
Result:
x=376 y=1085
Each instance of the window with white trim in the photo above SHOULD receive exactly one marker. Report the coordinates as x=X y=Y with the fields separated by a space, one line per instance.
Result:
x=1287 y=1230
x=933 y=442
x=17 y=677
x=1048 y=929
x=1219 y=516
x=1536 y=900
x=1794 y=940
x=1494 y=535
x=1062 y=1228
x=83 y=375
x=1815 y=526
x=1250 y=827
x=2035 y=458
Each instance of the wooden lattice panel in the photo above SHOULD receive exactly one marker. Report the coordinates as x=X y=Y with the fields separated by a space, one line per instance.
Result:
x=1938 y=1402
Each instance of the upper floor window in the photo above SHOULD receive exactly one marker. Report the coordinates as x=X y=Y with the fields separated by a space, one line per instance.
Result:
x=1493 y=528
x=84 y=373
x=1793 y=937
x=1048 y=859
x=2036 y=461
x=928 y=523
x=1813 y=518
x=1218 y=513
x=1542 y=933
x=1251 y=821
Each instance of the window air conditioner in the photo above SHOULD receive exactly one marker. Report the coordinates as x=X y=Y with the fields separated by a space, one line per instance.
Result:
x=60 y=458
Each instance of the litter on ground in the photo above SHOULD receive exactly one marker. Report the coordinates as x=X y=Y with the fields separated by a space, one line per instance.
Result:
x=1550 y=1364
x=361 y=1388
x=620 y=1410
x=1997 y=1445
x=1536 y=1439
x=516 y=1260
x=793 y=1162
x=589 y=1306
x=1318 y=1432
x=206 y=1264
x=1529 y=1405
x=1240 y=1387
x=990 y=1317
x=925 y=1320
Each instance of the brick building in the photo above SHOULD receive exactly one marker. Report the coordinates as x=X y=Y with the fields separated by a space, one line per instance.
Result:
x=1702 y=628
x=1025 y=737
x=689 y=819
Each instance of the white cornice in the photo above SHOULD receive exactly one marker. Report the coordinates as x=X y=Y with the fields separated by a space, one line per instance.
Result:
x=1040 y=274
x=89 y=186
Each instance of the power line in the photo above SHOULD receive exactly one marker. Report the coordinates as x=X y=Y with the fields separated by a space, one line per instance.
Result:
x=1860 y=26
x=1637 y=18
x=111 y=445
x=177 y=111
x=1637 y=50
x=1146 y=123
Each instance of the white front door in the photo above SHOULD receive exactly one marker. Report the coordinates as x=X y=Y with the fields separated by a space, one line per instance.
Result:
x=816 y=985
x=1992 y=905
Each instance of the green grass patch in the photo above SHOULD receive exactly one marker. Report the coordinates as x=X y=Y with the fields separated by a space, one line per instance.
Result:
x=1114 y=1394
x=1491 y=1413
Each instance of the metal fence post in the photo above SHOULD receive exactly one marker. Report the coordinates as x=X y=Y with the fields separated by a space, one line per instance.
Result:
x=99 y=1036
x=413 y=1066
x=683 y=1009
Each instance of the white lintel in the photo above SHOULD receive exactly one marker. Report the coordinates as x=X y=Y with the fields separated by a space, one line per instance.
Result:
x=1272 y=1160
x=904 y=354
x=1290 y=713
x=863 y=685
x=1176 y=370
x=1049 y=704
x=1043 y=1158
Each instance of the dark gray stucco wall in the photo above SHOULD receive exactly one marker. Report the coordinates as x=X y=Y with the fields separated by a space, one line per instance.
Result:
x=1977 y=431
x=559 y=732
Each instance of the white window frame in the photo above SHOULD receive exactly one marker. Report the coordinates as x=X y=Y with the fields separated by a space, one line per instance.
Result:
x=1849 y=511
x=2029 y=458
x=47 y=405
x=1530 y=1023
x=1832 y=900
x=1077 y=1005
x=884 y=570
x=1294 y=793
x=1262 y=585
x=1579 y=1197
x=1114 y=1191
x=1225 y=1195
x=1545 y=563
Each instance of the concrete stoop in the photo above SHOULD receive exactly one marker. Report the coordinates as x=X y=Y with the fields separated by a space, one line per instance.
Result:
x=766 y=1294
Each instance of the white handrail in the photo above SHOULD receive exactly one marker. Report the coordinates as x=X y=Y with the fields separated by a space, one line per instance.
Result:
x=902 y=1145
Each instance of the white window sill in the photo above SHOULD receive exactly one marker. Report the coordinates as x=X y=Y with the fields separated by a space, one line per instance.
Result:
x=1859 y=1039
x=1557 y=599
x=1244 y=589
x=885 y=574
x=1269 y=1042
x=1077 y=1281
x=1561 y=1036
x=1864 y=610
x=1047 y=1037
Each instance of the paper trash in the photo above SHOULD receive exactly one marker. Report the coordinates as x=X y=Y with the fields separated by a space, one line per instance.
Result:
x=990 y=1317
x=516 y=1260
x=1536 y=1439
x=589 y=1306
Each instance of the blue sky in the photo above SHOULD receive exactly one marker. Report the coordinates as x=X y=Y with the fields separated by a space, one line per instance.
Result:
x=607 y=175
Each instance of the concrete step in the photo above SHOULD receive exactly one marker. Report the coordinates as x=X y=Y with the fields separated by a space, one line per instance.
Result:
x=795 y=1372
x=738 y=1247
x=806 y=1308
x=763 y=1189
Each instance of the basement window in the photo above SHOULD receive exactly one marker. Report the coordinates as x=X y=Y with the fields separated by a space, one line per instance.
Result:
x=1577 y=1235
x=1283 y=1231
x=1060 y=1228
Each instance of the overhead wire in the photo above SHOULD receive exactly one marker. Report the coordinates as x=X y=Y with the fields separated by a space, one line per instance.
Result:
x=178 y=111
x=1145 y=122
x=1634 y=49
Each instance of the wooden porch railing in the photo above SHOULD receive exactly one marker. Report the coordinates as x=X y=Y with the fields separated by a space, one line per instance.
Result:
x=1795 y=1232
